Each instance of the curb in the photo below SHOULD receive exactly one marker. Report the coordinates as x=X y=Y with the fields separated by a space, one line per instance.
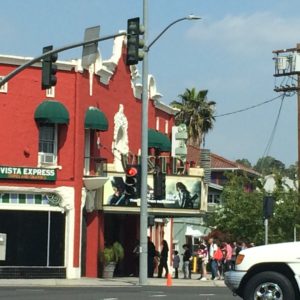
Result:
x=100 y=282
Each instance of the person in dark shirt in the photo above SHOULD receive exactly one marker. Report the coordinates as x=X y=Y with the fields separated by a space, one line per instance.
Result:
x=186 y=261
x=163 y=263
x=151 y=255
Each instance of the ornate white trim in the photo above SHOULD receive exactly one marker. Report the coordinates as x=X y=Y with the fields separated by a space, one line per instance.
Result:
x=106 y=68
x=166 y=108
x=20 y=60
x=120 y=139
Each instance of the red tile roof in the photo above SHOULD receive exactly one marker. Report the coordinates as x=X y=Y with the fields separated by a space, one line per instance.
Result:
x=217 y=162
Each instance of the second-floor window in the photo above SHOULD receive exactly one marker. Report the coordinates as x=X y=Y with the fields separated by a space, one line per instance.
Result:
x=47 y=144
x=214 y=199
x=4 y=87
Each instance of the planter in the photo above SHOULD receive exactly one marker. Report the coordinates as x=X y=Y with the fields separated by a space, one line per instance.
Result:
x=108 y=271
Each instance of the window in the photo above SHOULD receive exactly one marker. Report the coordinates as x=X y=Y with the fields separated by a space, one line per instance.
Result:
x=87 y=152
x=214 y=199
x=157 y=123
x=3 y=88
x=166 y=126
x=163 y=164
x=50 y=92
x=48 y=144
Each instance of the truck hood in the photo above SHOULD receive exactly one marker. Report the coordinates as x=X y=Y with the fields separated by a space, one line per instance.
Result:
x=283 y=252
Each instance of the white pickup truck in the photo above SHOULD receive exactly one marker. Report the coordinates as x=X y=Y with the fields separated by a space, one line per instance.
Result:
x=267 y=272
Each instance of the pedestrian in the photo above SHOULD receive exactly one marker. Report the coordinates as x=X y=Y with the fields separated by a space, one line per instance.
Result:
x=186 y=261
x=228 y=258
x=222 y=263
x=212 y=260
x=233 y=256
x=151 y=255
x=163 y=262
x=176 y=263
x=136 y=258
x=203 y=257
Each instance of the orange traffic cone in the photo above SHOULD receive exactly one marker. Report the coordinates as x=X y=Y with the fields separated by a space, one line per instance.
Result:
x=169 y=280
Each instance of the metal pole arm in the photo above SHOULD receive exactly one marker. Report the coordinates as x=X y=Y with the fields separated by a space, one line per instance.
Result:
x=190 y=17
x=174 y=22
x=67 y=47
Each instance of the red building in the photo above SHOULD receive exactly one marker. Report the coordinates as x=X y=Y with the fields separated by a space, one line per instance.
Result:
x=62 y=152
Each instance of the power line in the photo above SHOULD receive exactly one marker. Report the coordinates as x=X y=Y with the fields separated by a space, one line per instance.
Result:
x=270 y=141
x=268 y=147
x=250 y=107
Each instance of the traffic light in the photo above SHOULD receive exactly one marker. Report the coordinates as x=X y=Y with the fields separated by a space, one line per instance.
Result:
x=151 y=220
x=133 y=181
x=49 y=69
x=268 y=207
x=134 y=43
x=159 y=180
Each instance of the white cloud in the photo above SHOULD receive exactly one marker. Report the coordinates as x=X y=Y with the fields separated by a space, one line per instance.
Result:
x=246 y=33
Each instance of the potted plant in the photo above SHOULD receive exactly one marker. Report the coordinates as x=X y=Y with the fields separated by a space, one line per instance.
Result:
x=110 y=256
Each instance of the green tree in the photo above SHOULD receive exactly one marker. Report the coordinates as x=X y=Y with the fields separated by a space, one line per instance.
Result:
x=269 y=165
x=291 y=171
x=241 y=212
x=196 y=112
x=286 y=211
x=245 y=162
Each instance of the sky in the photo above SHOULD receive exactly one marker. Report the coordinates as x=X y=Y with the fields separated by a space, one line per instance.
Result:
x=228 y=52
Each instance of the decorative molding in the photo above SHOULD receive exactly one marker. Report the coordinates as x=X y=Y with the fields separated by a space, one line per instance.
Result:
x=164 y=107
x=120 y=139
x=63 y=195
x=20 y=60
x=106 y=68
x=91 y=75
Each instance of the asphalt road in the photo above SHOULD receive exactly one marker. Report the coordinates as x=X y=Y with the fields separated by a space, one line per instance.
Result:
x=117 y=293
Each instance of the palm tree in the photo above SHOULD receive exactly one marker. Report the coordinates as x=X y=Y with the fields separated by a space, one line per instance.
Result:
x=196 y=112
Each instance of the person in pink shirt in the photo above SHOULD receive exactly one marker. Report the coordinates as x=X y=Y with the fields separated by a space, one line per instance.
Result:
x=228 y=257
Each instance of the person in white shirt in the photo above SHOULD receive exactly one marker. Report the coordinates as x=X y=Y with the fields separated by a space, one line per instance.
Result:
x=212 y=261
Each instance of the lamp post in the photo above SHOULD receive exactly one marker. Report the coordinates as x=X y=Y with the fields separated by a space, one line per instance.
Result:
x=143 y=269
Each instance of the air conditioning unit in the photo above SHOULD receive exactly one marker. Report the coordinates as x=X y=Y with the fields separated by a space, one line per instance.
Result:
x=47 y=158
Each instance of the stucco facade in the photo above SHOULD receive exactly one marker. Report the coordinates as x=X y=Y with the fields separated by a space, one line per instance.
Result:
x=68 y=205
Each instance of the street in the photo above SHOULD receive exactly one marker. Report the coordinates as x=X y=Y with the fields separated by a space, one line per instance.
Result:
x=117 y=293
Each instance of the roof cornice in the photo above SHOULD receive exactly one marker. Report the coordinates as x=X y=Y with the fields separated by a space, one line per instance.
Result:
x=164 y=107
x=20 y=60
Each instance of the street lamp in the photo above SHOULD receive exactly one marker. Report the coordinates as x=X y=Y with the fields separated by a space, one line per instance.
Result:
x=143 y=269
x=189 y=17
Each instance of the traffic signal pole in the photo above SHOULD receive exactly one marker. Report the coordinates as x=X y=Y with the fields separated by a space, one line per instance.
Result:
x=67 y=47
x=143 y=271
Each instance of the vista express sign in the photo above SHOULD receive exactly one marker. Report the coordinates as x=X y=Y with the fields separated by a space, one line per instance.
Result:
x=27 y=173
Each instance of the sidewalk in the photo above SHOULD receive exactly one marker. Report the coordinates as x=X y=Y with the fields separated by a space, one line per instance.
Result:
x=100 y=282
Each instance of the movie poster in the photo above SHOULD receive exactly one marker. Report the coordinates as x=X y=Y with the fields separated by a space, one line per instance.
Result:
x=181 y=192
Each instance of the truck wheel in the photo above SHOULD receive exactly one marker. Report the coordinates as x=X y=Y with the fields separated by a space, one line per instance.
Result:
x=269 y=285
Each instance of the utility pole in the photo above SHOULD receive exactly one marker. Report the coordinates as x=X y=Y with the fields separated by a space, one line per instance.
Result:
x=287 y=64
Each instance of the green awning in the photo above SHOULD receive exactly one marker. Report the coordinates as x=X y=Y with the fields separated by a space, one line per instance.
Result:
x=51 y=111
x=158 y=140
x=95 y=119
